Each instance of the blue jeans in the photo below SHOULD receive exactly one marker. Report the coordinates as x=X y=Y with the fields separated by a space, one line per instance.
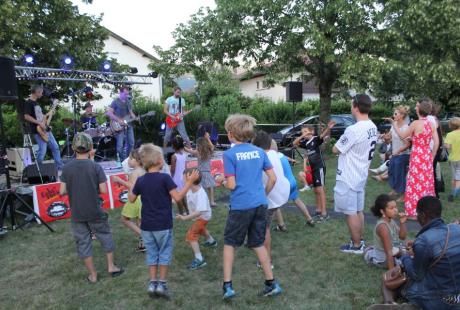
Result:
x=125 y=136
x=159 y=246
x=42 y=145
x=181 y=129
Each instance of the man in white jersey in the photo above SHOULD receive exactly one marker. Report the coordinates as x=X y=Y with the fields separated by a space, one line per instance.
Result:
x=356 y=149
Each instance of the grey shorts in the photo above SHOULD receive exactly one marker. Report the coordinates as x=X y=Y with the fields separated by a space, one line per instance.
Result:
x=346 y=200
x=251 y=223
x=455 y=167
x=82 y=234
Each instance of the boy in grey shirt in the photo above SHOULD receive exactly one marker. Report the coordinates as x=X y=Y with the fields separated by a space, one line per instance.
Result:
x=83 y=180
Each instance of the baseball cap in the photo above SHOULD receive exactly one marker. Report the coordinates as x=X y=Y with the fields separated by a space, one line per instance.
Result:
x=82 y=143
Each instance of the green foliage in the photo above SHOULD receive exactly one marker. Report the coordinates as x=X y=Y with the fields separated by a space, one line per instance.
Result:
x=219 y=82
x=420 y=42
x=50 y=29
x=326 y=40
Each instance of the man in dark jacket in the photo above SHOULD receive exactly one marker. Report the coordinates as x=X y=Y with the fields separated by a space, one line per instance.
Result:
x=433 y=268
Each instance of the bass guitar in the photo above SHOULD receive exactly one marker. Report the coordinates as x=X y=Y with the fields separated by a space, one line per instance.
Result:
x=172 y=122
x=48 y=116
x=117 y=127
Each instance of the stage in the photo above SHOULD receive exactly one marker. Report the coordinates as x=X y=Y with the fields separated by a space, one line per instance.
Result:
x=51 y=206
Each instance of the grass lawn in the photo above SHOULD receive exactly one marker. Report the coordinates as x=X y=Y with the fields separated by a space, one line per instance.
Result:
x=40 y=270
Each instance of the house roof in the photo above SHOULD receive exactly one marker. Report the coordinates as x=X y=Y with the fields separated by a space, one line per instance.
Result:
x=133 y=46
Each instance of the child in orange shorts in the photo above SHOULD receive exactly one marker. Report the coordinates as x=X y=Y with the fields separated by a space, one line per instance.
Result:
x=200 y=212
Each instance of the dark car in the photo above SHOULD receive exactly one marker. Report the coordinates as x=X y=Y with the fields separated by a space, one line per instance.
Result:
x=285 y=136
x=444 y=120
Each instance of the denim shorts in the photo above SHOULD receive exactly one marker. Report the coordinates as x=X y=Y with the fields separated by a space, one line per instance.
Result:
x=252 y=222
x=159 y=246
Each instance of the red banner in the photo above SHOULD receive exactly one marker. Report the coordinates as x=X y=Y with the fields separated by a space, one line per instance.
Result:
x=118 y=192
x=52 y=207
x=217 y=166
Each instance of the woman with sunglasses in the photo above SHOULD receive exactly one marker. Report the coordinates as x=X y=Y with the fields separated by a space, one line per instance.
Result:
x=399 y=161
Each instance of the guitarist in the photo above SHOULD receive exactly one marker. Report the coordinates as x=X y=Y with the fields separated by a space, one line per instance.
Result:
x=174 y=105
x=34 y=116
x=120 y=108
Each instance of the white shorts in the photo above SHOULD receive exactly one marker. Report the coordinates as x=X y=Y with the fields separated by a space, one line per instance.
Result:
x=346 y=200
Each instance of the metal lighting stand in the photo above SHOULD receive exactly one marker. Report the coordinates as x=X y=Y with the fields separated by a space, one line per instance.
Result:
x=10 y=194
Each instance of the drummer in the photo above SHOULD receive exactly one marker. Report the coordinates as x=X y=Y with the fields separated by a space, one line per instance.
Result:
x=88 y=119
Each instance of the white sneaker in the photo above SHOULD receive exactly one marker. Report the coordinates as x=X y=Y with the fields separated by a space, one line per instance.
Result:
x=305 y=188
x=3 y=231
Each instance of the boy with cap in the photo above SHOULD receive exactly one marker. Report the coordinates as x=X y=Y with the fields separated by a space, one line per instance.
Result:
x=83 y=180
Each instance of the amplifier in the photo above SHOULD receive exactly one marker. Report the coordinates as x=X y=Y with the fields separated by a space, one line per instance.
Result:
x=18 y=158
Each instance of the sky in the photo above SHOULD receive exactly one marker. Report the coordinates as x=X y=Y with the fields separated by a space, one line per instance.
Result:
x=144 y=22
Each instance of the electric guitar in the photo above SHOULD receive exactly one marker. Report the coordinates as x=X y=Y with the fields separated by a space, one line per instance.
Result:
x=48 y=116
x=172 y=122
x=117 y=127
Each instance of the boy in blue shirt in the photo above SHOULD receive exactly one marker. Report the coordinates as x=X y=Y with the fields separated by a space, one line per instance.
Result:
x=244 y=164
x=156 y=190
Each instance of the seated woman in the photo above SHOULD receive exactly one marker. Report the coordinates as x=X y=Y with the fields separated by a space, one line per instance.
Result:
x=387 y=233
x=432 y=264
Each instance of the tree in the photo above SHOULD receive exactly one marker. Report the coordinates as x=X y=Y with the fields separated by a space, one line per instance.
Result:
x=331 y=41
x=420 y=43
x=50 y=29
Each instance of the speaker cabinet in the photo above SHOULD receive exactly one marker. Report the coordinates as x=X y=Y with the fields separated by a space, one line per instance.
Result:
x=294 y=91
x=8 y=83
x=48 y=171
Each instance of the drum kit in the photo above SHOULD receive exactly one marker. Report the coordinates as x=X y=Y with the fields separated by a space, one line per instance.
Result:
x=104 y=142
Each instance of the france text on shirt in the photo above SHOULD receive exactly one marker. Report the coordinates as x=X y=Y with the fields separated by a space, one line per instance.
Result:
x=247 y=155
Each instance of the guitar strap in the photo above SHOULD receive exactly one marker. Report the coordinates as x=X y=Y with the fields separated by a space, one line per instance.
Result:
x=180 y=104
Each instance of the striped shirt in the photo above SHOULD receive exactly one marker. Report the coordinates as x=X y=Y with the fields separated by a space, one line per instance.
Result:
x=357 y=147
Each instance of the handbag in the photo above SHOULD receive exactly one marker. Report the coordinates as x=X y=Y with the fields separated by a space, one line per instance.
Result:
x=394 y=278
x=443 y=155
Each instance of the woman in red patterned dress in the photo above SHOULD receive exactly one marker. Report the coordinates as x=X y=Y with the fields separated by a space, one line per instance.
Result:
x=420 y=179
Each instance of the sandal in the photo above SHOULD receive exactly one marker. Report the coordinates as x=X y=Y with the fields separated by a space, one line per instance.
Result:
x=89 y=280
x=117 y=273
x=281 y=228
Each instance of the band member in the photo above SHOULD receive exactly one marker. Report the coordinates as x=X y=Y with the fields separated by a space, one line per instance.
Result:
x=173 y=106
x=34 y=116
x=88 y=119
x=117 y=111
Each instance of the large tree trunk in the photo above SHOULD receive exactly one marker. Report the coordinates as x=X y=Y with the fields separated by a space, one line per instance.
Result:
x=327 y=75
x=325 y=97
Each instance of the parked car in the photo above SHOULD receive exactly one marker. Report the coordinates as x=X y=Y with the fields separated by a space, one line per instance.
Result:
x=444 y=121
x=285 y=136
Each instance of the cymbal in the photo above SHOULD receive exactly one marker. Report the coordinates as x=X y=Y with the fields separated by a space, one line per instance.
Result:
x=93 y=114
x=69 y=122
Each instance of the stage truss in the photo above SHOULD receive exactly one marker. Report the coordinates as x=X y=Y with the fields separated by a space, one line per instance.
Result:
x=52 y=74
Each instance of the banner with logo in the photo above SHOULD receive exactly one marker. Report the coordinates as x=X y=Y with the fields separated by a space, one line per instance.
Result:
x=217 y=166
x=51 y=206
x=118 y=192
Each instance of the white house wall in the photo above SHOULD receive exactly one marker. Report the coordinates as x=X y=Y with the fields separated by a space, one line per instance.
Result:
x=276 y=93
